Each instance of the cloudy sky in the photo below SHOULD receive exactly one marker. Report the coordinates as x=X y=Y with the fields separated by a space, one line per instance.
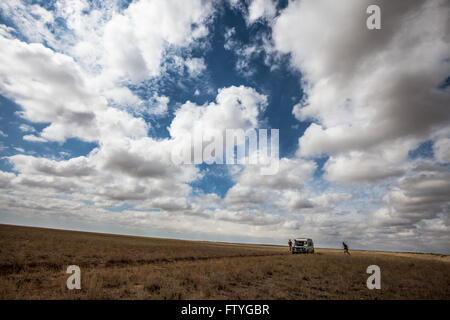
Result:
x=95 y=95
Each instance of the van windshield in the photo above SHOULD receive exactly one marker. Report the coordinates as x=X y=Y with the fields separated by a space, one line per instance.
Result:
x=300 y=243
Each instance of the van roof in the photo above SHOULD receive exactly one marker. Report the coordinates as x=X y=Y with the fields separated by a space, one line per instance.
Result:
x=303 y=239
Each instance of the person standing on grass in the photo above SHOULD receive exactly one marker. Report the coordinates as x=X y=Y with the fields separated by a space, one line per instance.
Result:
x=290 y=245
x=345 y=248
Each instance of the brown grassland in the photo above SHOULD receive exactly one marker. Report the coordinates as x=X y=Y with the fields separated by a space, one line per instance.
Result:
x=33 y=262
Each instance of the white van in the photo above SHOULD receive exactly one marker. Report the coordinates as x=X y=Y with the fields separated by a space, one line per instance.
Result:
x=302 y=245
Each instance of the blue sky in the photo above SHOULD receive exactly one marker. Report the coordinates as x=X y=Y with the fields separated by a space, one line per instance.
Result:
x=95 y=96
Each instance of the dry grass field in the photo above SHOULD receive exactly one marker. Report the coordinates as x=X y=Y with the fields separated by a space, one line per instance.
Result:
x=33 y=262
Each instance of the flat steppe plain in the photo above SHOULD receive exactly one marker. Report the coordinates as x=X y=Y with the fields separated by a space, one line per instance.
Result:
x=33 y=263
